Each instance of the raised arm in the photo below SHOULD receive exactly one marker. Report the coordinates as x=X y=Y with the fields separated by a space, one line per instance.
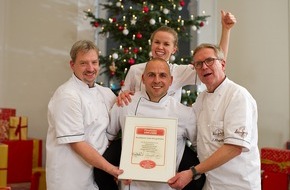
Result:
x=228 y=20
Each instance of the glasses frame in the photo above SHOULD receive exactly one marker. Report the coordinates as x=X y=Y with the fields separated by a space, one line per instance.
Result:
x=208 y=62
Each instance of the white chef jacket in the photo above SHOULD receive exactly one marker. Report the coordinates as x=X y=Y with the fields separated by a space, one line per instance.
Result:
x=75 y=113
x=182 y=75
x=167 y=107
x=229 y=116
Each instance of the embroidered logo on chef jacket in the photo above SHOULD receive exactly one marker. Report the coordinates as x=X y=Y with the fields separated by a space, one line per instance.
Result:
x=218 y=135
x=242 y=132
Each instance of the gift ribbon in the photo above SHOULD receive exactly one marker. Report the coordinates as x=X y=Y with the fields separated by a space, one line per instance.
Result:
x=18 y=129
x=281 y=165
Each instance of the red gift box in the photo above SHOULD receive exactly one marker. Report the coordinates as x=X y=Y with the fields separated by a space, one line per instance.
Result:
x=275 y=160
x=5 y=188
x=274 y=180
x=19 y=160
x=38 y=179
x=6 y=113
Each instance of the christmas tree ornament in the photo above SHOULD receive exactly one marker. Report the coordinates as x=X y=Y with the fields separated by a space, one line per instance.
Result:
x=145 y=9
x=113 y=67
x=122 y=82
x=133 y=21
x=201 y=24
x=136 y=50
x=118 y=4
x=131 y=61
x=120 y=27
x=96 y=24
x=152 y=21
x=165 y=11
x=115 y=56
x=125 y=31
x=126 y=50
x=139 y=35
x=182 y=3
x=172 y=58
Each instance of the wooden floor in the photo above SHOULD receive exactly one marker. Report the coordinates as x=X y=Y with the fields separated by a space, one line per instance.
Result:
x=19 y=186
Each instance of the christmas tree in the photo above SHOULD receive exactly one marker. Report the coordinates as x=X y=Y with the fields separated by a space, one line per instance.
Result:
x=130 y=24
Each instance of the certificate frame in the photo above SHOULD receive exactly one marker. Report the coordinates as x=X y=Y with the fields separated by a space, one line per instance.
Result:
x=149 y=149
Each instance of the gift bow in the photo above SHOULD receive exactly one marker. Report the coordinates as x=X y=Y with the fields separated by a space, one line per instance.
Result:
x=281 y=165
x=18 y=129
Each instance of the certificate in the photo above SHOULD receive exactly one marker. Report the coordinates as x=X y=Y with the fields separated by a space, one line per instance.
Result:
x=149 y=149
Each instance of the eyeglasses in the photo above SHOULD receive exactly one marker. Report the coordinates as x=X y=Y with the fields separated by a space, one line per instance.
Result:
x=208 y=62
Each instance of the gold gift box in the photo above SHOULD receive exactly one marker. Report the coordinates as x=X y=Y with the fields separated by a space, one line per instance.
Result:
x=3 y=164
x=18 y=128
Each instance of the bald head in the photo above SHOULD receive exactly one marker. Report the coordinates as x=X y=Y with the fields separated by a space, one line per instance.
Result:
x=157 y=78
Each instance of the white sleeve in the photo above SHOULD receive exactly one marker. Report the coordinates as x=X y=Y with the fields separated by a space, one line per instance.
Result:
x=191 y=128
x=185 y=75
x=114 y=126
x=240 y=123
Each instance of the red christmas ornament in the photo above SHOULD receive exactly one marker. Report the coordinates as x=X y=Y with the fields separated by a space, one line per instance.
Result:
x=114 y=19
x=122 y=83
x=136 y=50
x=96 y=24
x=145 y=9
x=139 y=35
x=126 y=50
x=121 y=28
x=181 y=3
x=201 y=24
x=131 y=61
x=112 y=73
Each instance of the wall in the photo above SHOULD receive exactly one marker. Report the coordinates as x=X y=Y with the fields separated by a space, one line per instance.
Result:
x=259 y=60
x=36 y=36
x=35 y=39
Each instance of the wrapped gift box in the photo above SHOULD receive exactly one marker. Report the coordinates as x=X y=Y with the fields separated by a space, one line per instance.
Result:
x=275 y=160
x=3 y=130
x=3 y=164
x=37 y=153
x=19 y=160
x=5 y=188
x=5 y=114
x=38 y=179
x=274 y=180
x=18 y=128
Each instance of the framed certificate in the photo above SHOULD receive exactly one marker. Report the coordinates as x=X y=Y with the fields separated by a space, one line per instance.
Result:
x=149 y=149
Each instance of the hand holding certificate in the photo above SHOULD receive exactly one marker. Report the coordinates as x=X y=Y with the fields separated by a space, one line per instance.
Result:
x=149 y=149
